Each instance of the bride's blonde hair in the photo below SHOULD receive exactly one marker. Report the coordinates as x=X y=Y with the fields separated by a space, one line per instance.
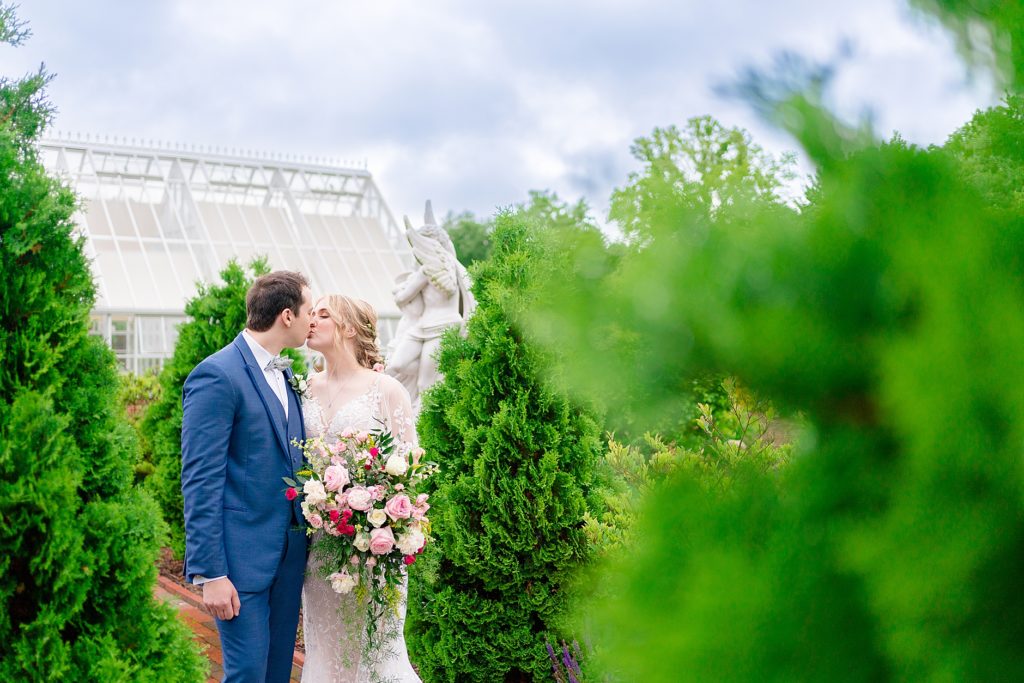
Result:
x=346 y=310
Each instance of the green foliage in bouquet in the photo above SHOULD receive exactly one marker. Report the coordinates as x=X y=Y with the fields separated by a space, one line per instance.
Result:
x=217 y=315
x=78 y=543
x=891 y=313
x=517 y=461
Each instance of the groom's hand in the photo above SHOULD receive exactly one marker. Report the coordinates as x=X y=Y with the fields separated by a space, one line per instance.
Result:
x=221 y=598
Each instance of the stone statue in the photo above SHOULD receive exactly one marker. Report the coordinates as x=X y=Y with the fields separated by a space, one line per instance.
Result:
x=432 y=298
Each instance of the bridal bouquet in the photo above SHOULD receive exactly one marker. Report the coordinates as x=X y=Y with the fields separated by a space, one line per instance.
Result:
x=361 y=492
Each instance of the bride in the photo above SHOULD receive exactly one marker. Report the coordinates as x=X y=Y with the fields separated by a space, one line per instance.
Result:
x=349 y=393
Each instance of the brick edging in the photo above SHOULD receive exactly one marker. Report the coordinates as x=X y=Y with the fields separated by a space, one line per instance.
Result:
x=194 y=600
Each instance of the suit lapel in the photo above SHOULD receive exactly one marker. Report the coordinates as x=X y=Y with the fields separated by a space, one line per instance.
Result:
x=296 y=424
x=271 y=402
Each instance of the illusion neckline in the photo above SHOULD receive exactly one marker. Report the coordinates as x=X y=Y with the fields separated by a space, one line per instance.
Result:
x=326 y=424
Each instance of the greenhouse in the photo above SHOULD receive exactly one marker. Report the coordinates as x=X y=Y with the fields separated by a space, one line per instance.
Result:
x=158 y=219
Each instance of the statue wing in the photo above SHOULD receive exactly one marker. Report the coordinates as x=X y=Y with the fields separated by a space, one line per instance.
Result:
x=434 y=250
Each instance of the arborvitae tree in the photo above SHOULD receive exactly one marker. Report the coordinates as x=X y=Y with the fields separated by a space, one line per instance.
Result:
x=217 y=315
x=78 y=543
x=517 y=462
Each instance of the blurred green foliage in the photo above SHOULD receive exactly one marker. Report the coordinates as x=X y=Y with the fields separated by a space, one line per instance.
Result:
x=889 y=311
x=78 y=542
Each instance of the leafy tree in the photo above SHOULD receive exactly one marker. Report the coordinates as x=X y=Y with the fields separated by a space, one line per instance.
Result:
x=891 y=313
x=78 y=543
x=471 y=237
x=517 y=462
x=217 y=315
x=696 y=171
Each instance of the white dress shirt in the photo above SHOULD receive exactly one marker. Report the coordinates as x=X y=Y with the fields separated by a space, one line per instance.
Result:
x=274 y=377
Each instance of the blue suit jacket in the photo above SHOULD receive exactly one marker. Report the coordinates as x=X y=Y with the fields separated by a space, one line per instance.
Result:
x=235 y=449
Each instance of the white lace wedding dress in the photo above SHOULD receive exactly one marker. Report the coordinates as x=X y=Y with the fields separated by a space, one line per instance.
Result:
x=332 y=624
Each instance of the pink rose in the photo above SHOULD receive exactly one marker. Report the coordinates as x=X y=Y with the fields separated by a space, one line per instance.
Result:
x=335 y=478
x=360 y=498
x=374 y=452
x=421 y=499
x=354 y=561
x=347 y=433
x=409 y=559
x=398 y=507
x=361 y=437
x=382 y=540
x=419 y=512
x=316 y=521
x=338 y=447
x=378 y=367
x=291 y=494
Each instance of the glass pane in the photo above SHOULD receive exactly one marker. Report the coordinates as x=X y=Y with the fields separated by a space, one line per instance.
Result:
x=252 y=217
x=120 y=218
x=144 y=218
x=114 y=278
x=95 y=219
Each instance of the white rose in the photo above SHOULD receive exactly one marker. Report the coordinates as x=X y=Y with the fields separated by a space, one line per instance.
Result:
x=396 y=465
x=410 y=542
x=315 y=492
x=362 y=542
x=302 y=386
x=377 y=516
x=342 y=582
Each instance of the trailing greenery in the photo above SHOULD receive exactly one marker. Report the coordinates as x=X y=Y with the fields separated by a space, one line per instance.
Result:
x=78 y=543
x=890 y=311
x=517 y=473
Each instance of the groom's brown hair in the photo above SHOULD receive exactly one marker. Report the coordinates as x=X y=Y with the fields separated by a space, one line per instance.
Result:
x=269 y=295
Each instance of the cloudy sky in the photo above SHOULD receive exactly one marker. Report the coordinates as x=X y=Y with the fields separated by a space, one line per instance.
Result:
x=472 y=104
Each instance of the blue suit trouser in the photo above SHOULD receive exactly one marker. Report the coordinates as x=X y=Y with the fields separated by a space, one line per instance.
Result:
x=258 y=644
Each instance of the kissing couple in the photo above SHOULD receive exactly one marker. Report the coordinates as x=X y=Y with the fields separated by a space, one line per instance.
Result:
x=245 y=542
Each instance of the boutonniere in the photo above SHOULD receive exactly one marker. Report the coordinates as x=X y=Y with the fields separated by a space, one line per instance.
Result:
x=300 y=384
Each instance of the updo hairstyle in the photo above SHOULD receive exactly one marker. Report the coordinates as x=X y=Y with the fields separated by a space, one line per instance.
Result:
x=345 y=310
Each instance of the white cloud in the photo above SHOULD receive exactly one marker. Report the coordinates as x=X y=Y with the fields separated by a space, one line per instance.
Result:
x=471 y=104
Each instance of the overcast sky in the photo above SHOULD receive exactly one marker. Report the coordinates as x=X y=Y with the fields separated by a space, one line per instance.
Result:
x=472 y=104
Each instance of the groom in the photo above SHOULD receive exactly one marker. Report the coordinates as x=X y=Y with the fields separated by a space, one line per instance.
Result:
x=243 y=541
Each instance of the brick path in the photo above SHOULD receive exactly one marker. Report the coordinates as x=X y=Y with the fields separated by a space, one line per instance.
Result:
x=202 y=625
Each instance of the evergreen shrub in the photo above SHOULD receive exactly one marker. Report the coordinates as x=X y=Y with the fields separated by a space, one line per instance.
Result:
x=517 y=461
x=78 y=543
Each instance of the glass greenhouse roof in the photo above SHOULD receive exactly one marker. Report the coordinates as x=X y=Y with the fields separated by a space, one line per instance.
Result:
x=157 y=220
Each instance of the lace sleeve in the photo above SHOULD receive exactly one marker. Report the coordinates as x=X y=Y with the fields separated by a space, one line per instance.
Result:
x=396 y=409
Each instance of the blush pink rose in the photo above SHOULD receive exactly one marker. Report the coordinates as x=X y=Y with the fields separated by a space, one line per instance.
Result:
x=335 y=478
x=382 y=540
x=399 y=507
x=316 y=521
x=420 y=511
x=360 y=498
